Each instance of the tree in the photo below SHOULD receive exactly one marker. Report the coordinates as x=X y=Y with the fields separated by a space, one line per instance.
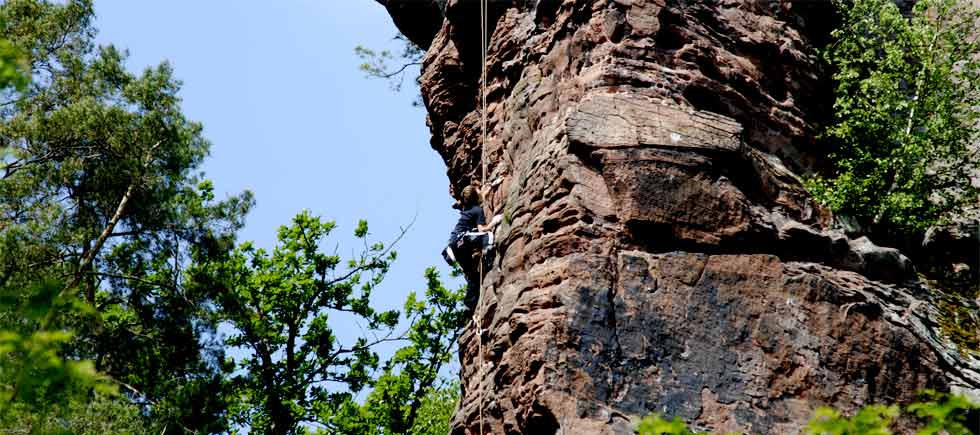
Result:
x=655 y=424
x=279 y=304
x=870 y=420
x=378 y=64
x=299 y=373
x=410 y=396
x=117 y=264
x=101 y=208
x=390 y=67
x=97 y=415
x=905 y=113
x=436 y=411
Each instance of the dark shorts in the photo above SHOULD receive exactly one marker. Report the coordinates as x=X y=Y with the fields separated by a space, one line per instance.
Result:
x=464 y=248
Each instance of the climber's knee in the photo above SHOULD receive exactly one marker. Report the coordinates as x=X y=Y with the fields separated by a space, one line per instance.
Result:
x=449 y=255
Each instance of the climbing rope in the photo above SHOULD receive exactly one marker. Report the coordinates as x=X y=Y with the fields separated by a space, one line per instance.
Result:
x=484 y=29
x=484 y=25
x=479 y=337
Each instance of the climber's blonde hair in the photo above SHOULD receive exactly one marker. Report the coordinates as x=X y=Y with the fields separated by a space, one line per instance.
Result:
x=470 y=196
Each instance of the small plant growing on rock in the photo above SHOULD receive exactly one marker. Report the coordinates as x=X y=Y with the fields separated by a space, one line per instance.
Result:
x=960 y=324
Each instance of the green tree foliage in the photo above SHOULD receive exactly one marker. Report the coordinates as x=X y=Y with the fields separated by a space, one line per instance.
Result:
x=905 y=112
x=33 y=369
x=655 y=424
x=117 y=264
x=100 y=201
x=392 y=67
x=937 y=413
x=383 y=64
x=299 y=374
x=406 y=397
x=946 y=414
x=436 y=411
x=98 y=415
x=870 y=420
x=13 y=66
x=279 y=304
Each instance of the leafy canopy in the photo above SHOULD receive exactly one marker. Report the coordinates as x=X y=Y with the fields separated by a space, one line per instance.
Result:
x=299 y=373
x=101 y=208
x=410 y=396
x=905 y=113
x=13 y=66
x=118 y=264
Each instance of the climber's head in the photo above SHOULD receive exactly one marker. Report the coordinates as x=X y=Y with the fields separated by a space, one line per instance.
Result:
x=470 y=196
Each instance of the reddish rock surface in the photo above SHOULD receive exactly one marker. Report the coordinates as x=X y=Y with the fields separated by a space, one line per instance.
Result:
x=659 y=253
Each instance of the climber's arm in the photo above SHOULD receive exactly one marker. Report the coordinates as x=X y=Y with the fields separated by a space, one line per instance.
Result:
x=493 y=224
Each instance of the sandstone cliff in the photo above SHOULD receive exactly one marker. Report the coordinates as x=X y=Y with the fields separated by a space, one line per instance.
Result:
x=659 y=253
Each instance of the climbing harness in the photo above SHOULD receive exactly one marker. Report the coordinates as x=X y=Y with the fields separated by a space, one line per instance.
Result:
x=483 y=239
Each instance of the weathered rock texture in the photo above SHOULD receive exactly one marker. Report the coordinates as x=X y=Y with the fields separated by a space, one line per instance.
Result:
x=659 y=253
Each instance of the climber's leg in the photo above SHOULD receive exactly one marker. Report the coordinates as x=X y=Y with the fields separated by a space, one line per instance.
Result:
x=479 y=255
x=449 y=255
x=461 y=253
x=472 y=293
x=468 y=252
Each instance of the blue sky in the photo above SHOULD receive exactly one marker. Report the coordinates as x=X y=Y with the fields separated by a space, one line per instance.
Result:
x=291 y=117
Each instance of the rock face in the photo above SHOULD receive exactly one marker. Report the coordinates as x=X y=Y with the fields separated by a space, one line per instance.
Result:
x=659 y=253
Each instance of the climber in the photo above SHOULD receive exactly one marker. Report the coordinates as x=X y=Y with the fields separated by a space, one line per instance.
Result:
x=470 y=241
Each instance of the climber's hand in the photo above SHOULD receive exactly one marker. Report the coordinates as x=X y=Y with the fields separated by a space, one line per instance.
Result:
x=493 y=223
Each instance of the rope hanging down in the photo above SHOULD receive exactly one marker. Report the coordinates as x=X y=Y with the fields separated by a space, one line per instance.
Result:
x=483 y=89
x=483 y=180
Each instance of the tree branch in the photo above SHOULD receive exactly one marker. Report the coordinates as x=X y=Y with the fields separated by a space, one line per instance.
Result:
x=133 y=278
x=399 y=71
x=324 y=284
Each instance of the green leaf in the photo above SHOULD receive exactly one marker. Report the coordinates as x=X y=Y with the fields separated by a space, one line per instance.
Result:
x=362 y=229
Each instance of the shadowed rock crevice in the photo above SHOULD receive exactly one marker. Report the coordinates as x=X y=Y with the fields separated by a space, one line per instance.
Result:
x=418 y=20
x=541 y=421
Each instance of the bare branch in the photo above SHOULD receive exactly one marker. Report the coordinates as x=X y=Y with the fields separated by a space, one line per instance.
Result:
x=133 y=278
x=399 y=70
